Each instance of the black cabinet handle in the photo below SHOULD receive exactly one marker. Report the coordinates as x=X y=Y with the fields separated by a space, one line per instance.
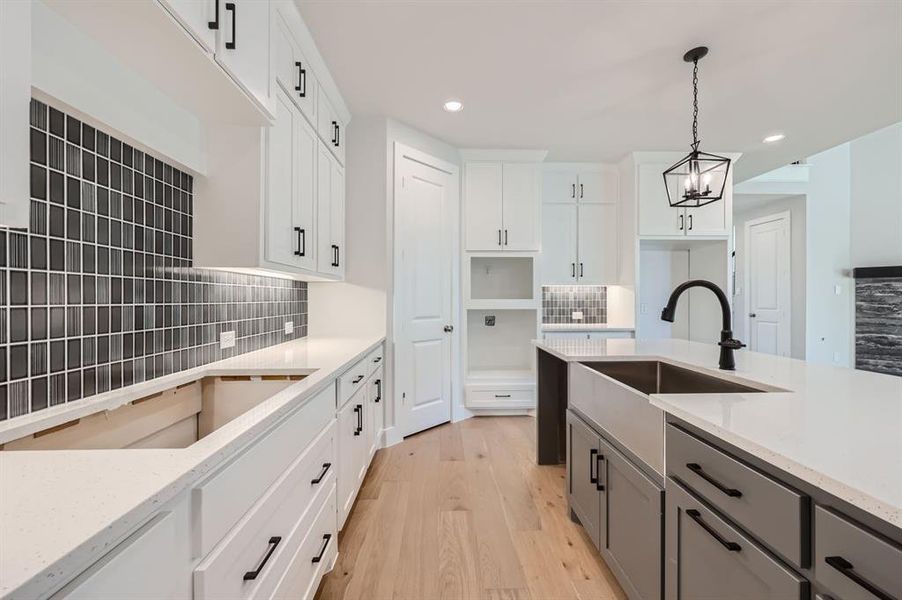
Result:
x=697 y=469
x=846 y=568
x=334 y=255
x=319 y=478
x=230 y=6
x=572 y=269
x=378 y=390
x=502 y=395
x=573 y=190
x=499 y=237
x=214 y=24
x=681 y=222
x=697 y=517
x=505 y=237
x=581 y=271
x=593 y=476
x=377 y=359
x=358 y=379
x=322 y=550
x=581 y=191
x=302 y=242
x=599 y=458
x=359 y=418
x=337 y=256
x=337 y=135
x=690 y=222
x=334 y=133
x=273 y=544
x=301 y=87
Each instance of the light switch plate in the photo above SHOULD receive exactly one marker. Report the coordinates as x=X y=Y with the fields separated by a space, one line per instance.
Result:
x=289 y=327
x=226 y=340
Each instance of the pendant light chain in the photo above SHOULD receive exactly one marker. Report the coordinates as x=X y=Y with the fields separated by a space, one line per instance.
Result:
x=695 y=105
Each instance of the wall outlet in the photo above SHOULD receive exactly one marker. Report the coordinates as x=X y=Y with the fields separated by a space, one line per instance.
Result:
x=490 y=320
x=289 y=327
x=643 y=308
x=576 y=315
x=226 y=340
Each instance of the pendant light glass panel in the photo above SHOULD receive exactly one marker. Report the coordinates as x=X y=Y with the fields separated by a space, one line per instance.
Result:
x=698 y=179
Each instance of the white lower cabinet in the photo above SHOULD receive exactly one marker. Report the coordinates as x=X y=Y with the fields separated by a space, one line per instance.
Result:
x=352 y=451
x=376 y=403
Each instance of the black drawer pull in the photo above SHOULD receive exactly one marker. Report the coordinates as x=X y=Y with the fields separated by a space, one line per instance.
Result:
x=230 y=6
x=319 y=478
x=598 y=460
x=302 y=241
x=358 y=379
x=322 y=550
x=697 y=469
x=593 y=478
x=697 y=517
x=502 y=395
x=378 y=390
x=273 y=544
x=846 y=568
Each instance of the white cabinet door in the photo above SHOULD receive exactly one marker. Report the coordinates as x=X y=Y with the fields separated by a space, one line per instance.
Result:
x=15 y=96
x=329 y=126
x=656 y=217
x=337 y=218
x=198 y=17
x=559 y=228
x=290 y=67
x=483 y=206
x=281 y=241
x=242 y=46
x=521 y=206
x=714 y=218
x=349 y=457
x=325 y=249
x=599 y=244
x=377 y=409
x=602 y=186
x=305 y=194
x=558 y=186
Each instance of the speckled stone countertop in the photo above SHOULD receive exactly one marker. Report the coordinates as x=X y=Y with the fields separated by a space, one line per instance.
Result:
x=838 y=429
x=61 y=510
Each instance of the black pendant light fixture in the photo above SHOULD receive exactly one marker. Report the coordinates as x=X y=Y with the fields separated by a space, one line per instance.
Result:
x=699 y=178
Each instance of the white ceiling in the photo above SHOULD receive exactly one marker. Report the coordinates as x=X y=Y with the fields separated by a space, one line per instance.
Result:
x=593 y=80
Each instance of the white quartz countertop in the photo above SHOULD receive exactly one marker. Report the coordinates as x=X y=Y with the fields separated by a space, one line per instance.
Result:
x=62 y=510
x=836 y=428
x=584 y=327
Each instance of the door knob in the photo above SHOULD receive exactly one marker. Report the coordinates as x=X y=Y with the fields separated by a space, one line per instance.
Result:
x=752 y=315
x=449 y=328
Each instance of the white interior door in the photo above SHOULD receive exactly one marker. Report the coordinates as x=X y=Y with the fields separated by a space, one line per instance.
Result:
x=425 y=208
x=559 y=244
x=768 y=262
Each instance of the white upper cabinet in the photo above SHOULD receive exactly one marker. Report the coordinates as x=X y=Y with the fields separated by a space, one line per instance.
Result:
x=15 y=96
x=599 y=244
x=658 y=219
x=290 y=67
x=503 y=206
x=579 y=183
x=198 y=17
x=330 y=126
x=559 y=231
x=559 y=186
x=330 y=213
x=242 y=45
x=600 y=186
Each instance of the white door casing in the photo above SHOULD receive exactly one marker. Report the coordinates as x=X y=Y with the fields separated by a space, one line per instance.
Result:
x=425 y=215
x=768 y=284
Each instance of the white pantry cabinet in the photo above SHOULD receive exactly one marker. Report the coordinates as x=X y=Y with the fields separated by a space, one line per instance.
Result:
x=581 y=244
x=503 y=207
x=658 y=219
x=290 y=212
x=15 y=97
x=330 y=186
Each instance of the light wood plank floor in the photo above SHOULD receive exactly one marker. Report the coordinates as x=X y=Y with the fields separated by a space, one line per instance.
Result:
x=463 y=511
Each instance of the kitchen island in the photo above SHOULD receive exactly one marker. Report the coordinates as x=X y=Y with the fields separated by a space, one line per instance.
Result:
x=796 y=447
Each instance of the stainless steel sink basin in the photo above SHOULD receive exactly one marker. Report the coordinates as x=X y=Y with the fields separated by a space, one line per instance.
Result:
x=654 y=377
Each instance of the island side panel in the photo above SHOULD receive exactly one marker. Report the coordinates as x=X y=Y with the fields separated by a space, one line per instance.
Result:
x=551 y=427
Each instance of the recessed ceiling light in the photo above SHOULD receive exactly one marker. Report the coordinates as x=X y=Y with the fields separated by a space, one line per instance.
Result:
x=453 y=106
x=774 y=138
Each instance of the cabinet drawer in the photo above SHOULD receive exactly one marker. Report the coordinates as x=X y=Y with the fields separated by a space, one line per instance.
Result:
x=246 y=563
x=353 y=379
x=708 y=558
x=501 y=398
x=852 y=562
x=374 y=360
x=776 y=514
x=143 y=566
x=221 y=499
x=314 y=558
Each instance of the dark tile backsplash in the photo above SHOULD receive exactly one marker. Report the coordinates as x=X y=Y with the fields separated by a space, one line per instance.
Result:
x=99 y=292
x=559 y=302
x=878 y=325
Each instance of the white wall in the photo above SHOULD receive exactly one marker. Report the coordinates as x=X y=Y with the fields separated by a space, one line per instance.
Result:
x=798 y=256
x=876 y=189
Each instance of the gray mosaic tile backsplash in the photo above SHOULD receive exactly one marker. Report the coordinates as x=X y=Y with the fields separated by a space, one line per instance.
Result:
x=878 y=325
x=559 y=302
x=99 y=292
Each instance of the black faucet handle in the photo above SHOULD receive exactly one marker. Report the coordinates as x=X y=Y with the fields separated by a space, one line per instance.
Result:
x=731 y=343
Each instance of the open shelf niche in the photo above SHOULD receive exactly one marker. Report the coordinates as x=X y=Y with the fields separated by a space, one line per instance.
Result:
x=495 y=282
x=500 y=349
